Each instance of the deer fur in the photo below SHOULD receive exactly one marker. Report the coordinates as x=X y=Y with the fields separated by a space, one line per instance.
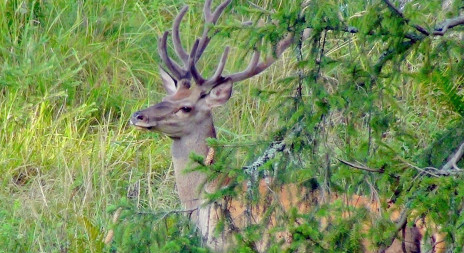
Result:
x=185 y=115
x=169 y=118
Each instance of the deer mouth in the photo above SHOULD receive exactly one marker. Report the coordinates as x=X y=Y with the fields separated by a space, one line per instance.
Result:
x=144 y=128
x=141 y=125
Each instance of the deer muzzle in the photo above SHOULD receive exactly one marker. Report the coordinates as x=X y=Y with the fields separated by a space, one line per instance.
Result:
x=149 y=118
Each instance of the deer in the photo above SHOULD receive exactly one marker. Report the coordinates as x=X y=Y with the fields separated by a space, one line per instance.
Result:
x=185 y=115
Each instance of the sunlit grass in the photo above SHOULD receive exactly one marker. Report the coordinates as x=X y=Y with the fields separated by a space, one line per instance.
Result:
x=71 y=74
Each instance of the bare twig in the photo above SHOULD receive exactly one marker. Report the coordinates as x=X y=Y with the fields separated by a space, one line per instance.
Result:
x=428 y=170
x=394 y=9
x=431 y=171
x=448 y=24
x=441 y=29
x=449 y=169
x=260 y=8
x=400 y=14
x=399 y=224
x=360 y=166
x=452 y=162
x=187 y=211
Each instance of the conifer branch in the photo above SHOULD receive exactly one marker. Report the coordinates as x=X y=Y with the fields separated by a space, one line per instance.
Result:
x=390 y=53
x=401 y=15
x=267 y=155
x=441 y=29
x=451 y=165
x=275 y=148
x=394 y=9
x=168 y=213
x=448 y=24
x=399 y=225
x=354 y=30
x=450 y=168
x=360 y=166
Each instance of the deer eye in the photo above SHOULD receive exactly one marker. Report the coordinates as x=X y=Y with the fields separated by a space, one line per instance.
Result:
x=186 y=109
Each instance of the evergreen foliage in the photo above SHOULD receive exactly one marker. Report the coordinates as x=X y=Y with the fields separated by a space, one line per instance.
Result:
x=372 y=104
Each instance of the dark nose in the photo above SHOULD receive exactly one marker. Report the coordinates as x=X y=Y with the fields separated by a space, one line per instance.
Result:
x=138 y=116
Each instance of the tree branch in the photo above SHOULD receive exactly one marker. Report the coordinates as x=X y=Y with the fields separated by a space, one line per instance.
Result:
x=269 y=153
x=360 y=166
x=400 y=14
x=441 y=29
x=448 y=24
x=449 y=169
x=389 y=53
x=394 y=9
x=399 y=224
x=354 y=30
x=452 y=162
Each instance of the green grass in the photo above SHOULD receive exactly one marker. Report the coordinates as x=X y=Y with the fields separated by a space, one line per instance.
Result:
x=72 y=73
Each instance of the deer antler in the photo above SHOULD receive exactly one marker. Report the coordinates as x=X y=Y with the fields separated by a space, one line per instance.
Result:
x=175 y=69
x=191 y=63
x=254 y=68
x=210 y=19
x=176 y=36
x=189 y=70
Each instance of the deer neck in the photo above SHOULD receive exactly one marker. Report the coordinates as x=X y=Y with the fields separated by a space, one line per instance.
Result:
x=189 y=183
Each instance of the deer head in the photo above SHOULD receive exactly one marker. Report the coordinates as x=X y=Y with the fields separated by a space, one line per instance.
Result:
x=190 y=96
x=183 y=108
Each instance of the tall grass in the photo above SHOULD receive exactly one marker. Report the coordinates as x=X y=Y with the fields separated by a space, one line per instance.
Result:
x=71 y=74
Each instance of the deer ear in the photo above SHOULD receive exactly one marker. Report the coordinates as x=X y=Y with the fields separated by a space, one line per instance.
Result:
x=169 y=83
x=219 y=95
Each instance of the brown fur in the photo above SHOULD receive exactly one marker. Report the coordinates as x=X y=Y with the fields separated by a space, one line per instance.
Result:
x=185 y=116
x=290 y=196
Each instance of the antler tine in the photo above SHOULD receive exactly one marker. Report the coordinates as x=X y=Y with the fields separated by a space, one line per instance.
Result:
x=176 y=36
x=163 y=52
x=191 y=64
x=281 y=47
x=219 y=10
x=189 y=69
x=213 y=17
x=254 y=68
x=210 y=19
x=204 y=41
x=207 y=10
x=249 y=71
x=217 y=75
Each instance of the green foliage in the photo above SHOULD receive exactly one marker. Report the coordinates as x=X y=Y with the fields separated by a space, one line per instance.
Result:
x=12 y=238
x=147 y=231
x=381 y=97
x=365 y=87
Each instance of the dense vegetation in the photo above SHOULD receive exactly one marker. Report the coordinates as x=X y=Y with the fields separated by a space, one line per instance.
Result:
x=371 y=104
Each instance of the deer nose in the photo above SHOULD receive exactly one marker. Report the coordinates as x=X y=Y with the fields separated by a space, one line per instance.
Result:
x=138 y=117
